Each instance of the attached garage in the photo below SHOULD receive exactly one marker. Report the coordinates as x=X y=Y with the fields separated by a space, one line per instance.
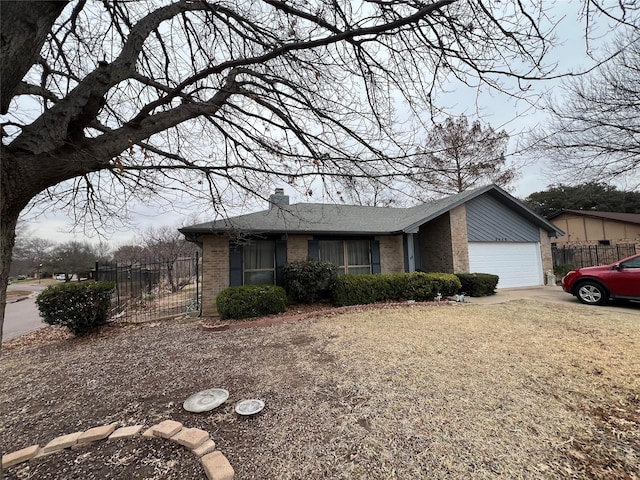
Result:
x=505 y=242
x=517 y=264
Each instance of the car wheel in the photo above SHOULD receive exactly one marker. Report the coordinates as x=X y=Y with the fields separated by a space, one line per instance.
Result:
x=592 y=293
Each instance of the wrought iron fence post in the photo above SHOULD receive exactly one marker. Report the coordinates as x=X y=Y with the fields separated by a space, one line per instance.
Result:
x=198 y=279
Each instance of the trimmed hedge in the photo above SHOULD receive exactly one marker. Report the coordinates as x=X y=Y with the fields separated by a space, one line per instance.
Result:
x=310 y=280
x=81 y=307
x=448 y=283
x=478 y=284
x=251 y=301
x=364 y=289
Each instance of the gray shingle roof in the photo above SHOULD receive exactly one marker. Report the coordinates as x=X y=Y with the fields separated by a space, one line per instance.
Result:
x=314 y=218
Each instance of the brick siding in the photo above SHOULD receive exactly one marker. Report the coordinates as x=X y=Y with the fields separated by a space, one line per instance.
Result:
x=298 y=248
x=436 y=254
x=459 y=239
x=391 y=254
x=215 y=270
x=545 y=250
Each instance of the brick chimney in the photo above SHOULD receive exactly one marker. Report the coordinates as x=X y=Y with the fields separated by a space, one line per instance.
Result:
x=278 y=199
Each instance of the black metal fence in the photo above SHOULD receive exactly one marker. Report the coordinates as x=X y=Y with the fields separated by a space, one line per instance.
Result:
x=589 y=256
x=151 y=290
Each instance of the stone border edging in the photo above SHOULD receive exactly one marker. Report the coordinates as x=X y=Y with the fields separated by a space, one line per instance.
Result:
x=215 y=464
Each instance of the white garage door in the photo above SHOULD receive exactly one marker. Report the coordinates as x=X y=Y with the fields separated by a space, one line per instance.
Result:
x=517 y=264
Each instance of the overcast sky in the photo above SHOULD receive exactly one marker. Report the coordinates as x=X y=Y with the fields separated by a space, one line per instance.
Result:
x=499 y=111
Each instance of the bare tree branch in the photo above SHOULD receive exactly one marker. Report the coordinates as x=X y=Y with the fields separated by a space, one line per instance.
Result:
x=594 y=133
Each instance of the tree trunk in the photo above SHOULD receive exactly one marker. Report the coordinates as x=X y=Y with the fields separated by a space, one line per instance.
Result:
x=7 y=240
x=8 y=222
x=17 y=188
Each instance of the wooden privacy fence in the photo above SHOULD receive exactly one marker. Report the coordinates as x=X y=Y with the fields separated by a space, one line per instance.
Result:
x=148 y=290
x=590 y=255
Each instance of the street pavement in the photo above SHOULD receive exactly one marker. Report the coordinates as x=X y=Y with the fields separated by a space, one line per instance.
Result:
x=23 y=316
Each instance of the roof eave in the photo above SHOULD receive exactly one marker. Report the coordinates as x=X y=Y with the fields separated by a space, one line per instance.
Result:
x=231 y=232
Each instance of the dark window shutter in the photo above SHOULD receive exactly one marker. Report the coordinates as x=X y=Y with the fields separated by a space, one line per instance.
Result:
x=314 y=250
x=405 y=248
x=281 y=261
x=375 y=256
x=235 y=265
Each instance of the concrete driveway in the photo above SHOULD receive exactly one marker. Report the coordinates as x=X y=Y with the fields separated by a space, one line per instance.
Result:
x=552 y=295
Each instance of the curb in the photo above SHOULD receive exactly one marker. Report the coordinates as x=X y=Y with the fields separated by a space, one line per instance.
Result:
x=19 y=299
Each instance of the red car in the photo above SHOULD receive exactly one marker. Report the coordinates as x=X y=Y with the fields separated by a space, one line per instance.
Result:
x=596 y=285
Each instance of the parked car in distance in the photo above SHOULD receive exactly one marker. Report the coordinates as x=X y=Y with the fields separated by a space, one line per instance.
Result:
x=61 y=276
x=596 y=285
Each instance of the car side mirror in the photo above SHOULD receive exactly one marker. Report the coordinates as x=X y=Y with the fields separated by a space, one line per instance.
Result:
x=617 y=267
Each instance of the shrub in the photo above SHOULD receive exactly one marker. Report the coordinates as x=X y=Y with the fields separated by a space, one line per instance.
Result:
x=364 y=289
x=478 y=284
x=81 y=307
x=309 y=280
x=448 y=283
x=251 y=301
x=561 y=270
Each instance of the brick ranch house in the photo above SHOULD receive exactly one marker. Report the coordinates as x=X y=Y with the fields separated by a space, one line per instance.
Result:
x=589 y=228
x=482 y=230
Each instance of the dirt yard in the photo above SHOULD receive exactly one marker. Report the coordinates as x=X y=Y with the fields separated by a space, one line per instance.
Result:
x=522 y=390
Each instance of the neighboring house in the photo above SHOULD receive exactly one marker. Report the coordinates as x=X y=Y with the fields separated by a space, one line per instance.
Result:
x=483 y=230
x=586 y=227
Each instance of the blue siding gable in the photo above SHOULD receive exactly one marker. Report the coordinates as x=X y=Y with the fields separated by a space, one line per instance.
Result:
x=489 y=220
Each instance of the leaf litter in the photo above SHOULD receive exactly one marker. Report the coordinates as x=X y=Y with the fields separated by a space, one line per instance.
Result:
x=516 y=390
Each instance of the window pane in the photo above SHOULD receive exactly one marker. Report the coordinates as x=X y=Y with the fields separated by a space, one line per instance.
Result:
x=259 y=254
x=259 y=278
x=359 y=270
x=358 y=252
x=332 y=251
x=259 y=261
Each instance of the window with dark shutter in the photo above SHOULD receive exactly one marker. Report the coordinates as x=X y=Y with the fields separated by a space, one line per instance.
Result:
x=259 y=262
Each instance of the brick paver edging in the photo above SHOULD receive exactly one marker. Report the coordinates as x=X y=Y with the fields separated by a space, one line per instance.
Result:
x=214 y=463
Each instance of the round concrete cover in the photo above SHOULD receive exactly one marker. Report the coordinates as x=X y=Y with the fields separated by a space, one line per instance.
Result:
x=249 y=407
x=205 y=400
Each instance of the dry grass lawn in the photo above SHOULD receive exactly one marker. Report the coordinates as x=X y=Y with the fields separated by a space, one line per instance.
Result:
x=517 y=390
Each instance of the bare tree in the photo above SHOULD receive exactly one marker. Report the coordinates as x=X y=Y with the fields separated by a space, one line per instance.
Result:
x=167 y=245
x=458 y=156
x=30 y=253
x=73 y=258
x=130 y=99
x=130 y=253
x=593 y=130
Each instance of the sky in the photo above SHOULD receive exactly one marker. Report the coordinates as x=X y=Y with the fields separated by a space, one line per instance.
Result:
x=494 y=109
